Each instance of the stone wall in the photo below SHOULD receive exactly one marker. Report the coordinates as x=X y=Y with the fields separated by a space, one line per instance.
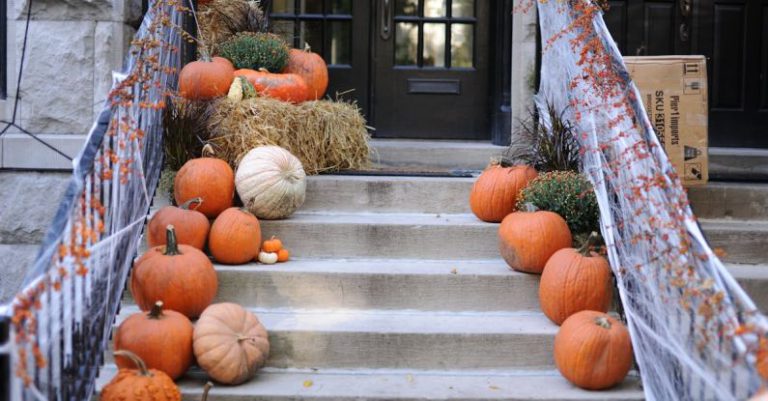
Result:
x=73 y=47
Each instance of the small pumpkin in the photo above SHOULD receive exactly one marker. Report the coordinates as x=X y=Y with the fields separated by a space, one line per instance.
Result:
x=283 y=255
x=312 y=68
x=271 y=182
x=575 y=280
x=268 y=258
x=208 y=178
x=179 y=275
x=140 y=384
x=272 y=245
x=286 y=87
x=161 y=338
x=593 y=350
x=191 y=226
x=235 y=237
x=205 y=79
x=230 y=343
x=495 y=192
x=527 y=239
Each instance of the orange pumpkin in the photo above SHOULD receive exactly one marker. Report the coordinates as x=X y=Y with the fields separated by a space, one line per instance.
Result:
x=528 y=239
x=206 y=79
x=140 y=384
x=179 y=275
x=272 y=245
x=575 y=280
x=162 y=338
x=312 y=68
x=230 y=343
x=235 y=237
x=191 y=226
x=495 y=192
x=593 y=350
x=208 y=178
x=283 y=255
x=286 y=87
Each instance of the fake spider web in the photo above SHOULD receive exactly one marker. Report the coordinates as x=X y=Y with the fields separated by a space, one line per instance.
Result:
x=696 y=335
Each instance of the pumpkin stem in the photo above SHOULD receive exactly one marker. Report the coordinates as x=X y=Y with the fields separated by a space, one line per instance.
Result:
x=136 y=361
x=171 y=244
x=603 y=322
x=208 y=151
x=590 y=244
x=307 y=47
x=501 y=161
x=157 y=310
x=206 y=389
x=244 y=338
x=530 y=207
x=188 y=204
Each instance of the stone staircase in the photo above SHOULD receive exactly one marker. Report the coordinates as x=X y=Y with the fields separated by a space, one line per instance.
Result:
x=397 y=292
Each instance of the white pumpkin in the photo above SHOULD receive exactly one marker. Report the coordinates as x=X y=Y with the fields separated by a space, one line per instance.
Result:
x=271 y=182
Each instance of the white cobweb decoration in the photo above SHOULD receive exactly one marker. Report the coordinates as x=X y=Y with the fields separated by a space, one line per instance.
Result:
x=696 y=334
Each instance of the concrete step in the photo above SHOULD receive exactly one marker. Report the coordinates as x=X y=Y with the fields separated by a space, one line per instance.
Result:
x=455 y=236
x=397 y=385
x=463 y=285
x=350 y=339
x=730 y=200
x=754 y=280
x=432 y=155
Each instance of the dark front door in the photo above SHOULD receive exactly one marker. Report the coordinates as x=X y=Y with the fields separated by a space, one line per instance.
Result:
x=733 y=34
x=431 y=69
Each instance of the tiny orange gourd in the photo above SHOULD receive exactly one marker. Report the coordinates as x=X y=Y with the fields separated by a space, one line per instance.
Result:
x=140 y=384
x=593 y=350
x=191 y=226
x=235 y=237
x=495 y=192
x=527 y=239
x=283 y=255
x=272 y=245
x=575 y=280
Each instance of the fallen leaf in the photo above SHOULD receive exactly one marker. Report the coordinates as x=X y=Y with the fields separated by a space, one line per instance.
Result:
x=308 y=383
x=494 y=388
x=454 y=271
x=720 y=252
x=409 y=378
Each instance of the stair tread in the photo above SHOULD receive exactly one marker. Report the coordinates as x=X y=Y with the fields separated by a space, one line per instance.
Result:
x=382 y=219
x=382 y=384
x=397 y=321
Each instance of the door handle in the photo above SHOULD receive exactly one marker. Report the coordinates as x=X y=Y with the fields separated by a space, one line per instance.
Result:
x=386 y=19
x=685 y=8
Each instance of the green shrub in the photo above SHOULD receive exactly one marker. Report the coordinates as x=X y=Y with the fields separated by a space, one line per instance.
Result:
x=256 y=51
x=568 y=194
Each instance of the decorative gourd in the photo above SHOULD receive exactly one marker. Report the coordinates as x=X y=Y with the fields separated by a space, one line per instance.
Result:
x=241 y=89
x=272 y=245
x=575 y=280
x=495 y=192
x=208 y=178
x=191 y=226
x=162 y=338
x=179 y=275
x=271 y=182
x=140 y=384
x=593 y=350
x=312 y=68
x=528 y=239
x=230 y=343
x=206 y=79
x=283 y=255
x=268 y=258
x=235 y=237
x=286 y=87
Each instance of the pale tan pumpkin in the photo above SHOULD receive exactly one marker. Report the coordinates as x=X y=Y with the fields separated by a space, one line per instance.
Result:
x=271 y=182
x=230 y=343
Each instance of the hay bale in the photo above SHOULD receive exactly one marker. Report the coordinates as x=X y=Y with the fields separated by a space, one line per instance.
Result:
x=324 y=135
x=222 y=19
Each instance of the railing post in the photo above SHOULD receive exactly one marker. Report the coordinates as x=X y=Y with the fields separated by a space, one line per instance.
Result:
x=5 y=359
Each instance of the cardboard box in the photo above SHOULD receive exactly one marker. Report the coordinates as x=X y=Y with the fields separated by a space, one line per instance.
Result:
x=674 y=93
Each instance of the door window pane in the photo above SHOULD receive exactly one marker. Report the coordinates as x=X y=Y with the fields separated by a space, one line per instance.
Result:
x=312 y=6
x=406 y=7
x=463 y=8
x=462 y=44
x=283 y=6
x=435 y=8
x=312 y=34
x=341 y=42
x=284 y=29
x=406 y=43
x=341 y=7
x=434 y=45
